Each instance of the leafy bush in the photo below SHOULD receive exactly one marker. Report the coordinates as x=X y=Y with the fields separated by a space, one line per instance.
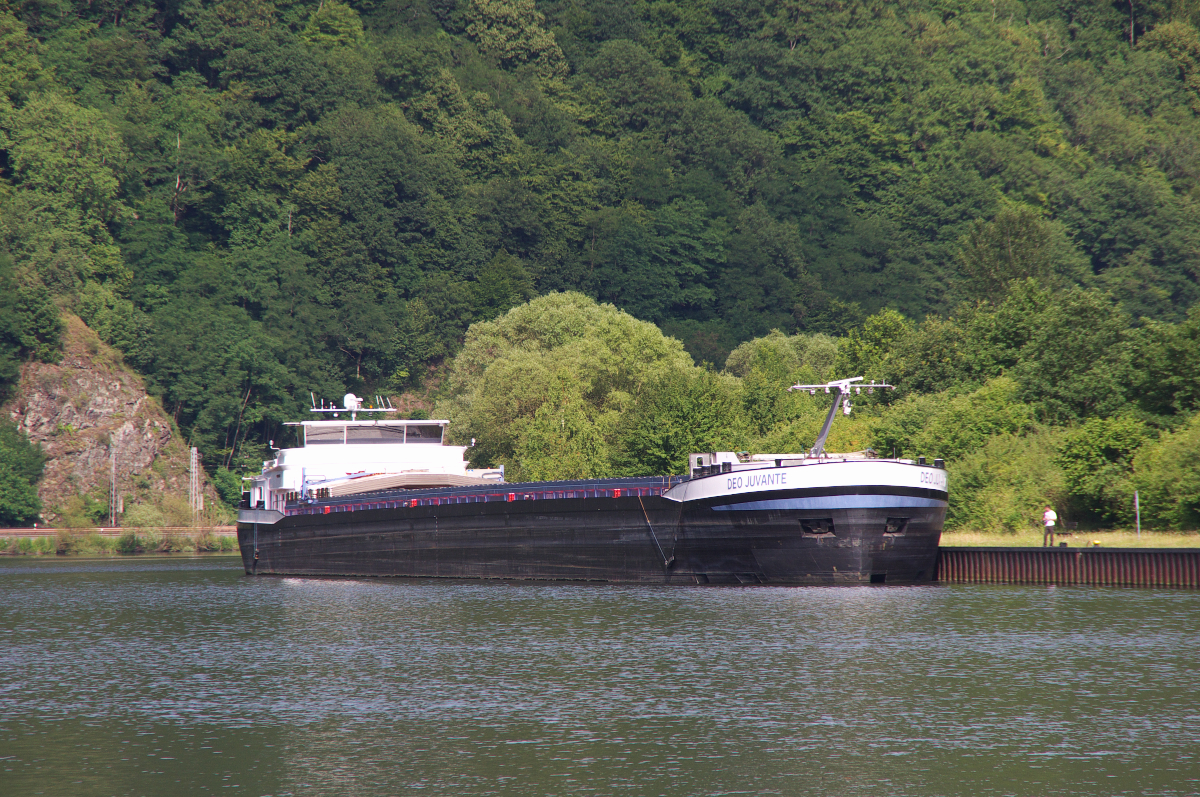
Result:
x=1166 y=474
x=952 y=426
x=1096 y=459
x=865 y=349
x=66 y=542
x=229 y=486
x=790 y=352
x=144 y=516
x=129 y=542
x=1003 y=486
x=173 y=542
x=85 y=510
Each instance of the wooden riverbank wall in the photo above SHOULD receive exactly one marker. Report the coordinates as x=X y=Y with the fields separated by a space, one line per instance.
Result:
x=1107 y=567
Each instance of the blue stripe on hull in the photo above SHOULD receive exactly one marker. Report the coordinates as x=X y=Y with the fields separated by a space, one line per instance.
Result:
x=835 y=502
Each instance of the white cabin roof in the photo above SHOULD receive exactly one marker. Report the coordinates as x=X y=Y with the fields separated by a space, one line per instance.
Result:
x=406 y=432
x=405 y=422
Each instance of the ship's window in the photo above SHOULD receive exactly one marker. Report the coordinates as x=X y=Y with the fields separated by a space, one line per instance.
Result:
x=425 y=433
x=324 y=435
x=366 y=435
x=895 y=525
x=817 y=526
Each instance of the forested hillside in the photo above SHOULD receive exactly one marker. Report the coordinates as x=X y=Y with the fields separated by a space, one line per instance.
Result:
x=254 y=200
x=1046 y=397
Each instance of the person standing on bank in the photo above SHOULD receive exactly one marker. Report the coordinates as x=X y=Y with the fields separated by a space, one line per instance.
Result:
x=1049 y=519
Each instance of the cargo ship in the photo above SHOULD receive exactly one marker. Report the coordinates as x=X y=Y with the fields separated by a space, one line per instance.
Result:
x=392 y=498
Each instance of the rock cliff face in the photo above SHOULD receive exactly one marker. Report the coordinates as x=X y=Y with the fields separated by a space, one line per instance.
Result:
x=83 y=409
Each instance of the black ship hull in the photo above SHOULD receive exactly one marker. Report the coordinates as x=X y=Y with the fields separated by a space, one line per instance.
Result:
x=630 y=534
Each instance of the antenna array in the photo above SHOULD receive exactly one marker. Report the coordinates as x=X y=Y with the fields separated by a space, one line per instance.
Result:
x=351 y=404
x=843 y=387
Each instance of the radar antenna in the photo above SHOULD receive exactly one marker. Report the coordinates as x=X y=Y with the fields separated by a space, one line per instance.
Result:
x=843 y=387
x=354 y=405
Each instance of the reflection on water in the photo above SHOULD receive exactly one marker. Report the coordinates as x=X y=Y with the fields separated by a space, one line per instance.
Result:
x=183 y=676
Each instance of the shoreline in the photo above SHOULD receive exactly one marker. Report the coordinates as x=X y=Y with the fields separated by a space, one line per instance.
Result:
x=137 y=542
x=124 y=542
x=1074 y=538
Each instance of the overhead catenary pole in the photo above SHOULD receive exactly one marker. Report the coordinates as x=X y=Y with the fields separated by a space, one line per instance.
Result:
x=194 y=485
x=112 y=487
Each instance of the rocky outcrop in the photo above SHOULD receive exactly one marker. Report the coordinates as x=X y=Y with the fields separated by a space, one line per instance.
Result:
x=82 y=410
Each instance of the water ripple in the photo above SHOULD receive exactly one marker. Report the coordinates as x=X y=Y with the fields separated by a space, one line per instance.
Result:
x=148 y=676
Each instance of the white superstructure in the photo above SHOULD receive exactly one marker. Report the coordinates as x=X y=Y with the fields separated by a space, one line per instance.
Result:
x=339 y=458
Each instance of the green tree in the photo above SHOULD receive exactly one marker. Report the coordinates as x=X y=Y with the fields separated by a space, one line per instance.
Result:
x=864 y=351
x=1002 y=486
x=503 y=374
x=560 y=441
x=502 y=284
x=65 y=161
x=1166 y=366
x=763 y=273
x=933 y=359
x=73 y=154
x=18 y=61
x=511 y=31
x=21 y=464
x=30 y=325
x=1017 y=244
x=681 y=412
x=1180 y=42
x=815 y=351
x=334 y=24
x=952 y=426
x=1069 y=350
x=1096 y=459
x=1167 y=476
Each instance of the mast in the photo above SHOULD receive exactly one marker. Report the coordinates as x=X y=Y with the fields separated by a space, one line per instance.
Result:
x=843 y=387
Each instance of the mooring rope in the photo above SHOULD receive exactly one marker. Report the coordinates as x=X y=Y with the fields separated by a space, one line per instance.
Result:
x=666 y=561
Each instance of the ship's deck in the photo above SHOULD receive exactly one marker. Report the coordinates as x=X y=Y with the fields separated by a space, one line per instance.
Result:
x=520 y=491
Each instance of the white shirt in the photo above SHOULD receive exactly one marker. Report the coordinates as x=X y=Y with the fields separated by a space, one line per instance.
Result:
x=1049 y=516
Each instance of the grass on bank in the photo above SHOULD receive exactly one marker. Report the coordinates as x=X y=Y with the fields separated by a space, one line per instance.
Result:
x=67 y=542
x=1118 y=538
x=134 y=541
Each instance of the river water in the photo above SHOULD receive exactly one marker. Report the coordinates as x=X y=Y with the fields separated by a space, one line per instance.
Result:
x=148 y=676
